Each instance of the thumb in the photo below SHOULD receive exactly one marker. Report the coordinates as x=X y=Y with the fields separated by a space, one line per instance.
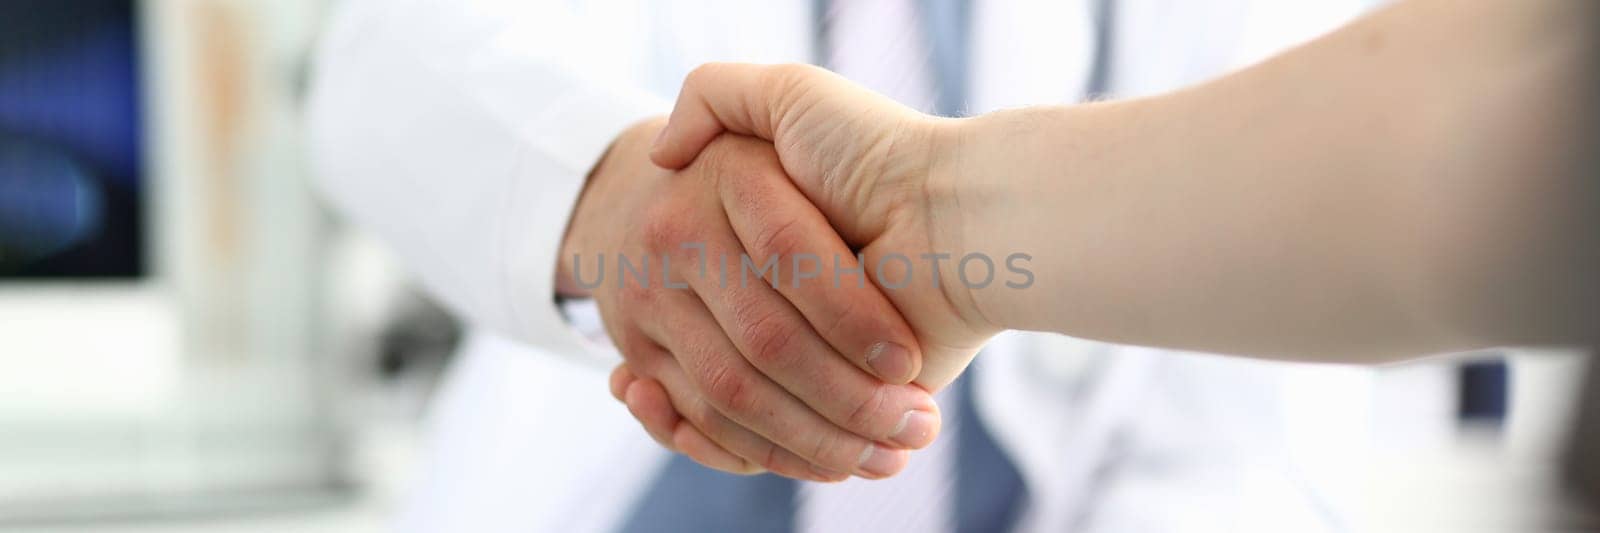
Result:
x=742 y=98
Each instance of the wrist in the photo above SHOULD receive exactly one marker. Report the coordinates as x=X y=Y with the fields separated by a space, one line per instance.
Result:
x=995 y=191
x=625 y=155
x=959 y=192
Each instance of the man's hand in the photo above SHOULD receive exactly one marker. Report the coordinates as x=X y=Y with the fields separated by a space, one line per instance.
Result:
x=884 y=175
x=805 y=378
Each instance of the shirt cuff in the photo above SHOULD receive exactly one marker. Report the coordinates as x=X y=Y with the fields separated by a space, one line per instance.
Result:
x=565 y=145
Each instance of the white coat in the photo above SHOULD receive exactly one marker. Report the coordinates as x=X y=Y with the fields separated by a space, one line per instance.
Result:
x=461 y=131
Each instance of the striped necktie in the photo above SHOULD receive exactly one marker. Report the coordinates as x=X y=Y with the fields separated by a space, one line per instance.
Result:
x=984 y=493
x=881 y=45
x=916 y=53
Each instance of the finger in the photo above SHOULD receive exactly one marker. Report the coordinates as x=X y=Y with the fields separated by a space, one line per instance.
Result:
x=765 y=330
x=774 y=338
x=636 y=393
x=648 y=403
x=826 y=281
x=637 y=306
x=694 y=444
x=716 y=97
x=653 y=410
x=700 y=419
x=734 y=388
x=620 y=378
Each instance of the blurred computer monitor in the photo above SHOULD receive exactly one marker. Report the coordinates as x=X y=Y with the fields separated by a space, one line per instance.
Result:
x=72 y=186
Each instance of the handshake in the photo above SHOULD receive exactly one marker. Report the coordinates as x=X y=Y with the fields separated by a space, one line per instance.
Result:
x=794 y=264
x=783 y=271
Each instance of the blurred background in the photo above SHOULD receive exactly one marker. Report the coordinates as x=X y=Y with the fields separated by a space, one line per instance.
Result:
x=184 y=334
x=190 y=342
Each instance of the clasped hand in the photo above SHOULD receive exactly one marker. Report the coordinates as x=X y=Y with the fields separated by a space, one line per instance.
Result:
x=745 y=266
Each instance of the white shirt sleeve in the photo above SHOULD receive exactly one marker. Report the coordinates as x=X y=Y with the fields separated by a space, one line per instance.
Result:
x=461 y=133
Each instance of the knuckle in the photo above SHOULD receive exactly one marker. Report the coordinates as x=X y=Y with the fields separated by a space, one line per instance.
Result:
x=729 y=390
x=665 y=228
x=782 y=238
x=760 y=195
x=849 y=314
x=705 y=417
x=826 y=451
x=770 y=459
x=861 y=417
x=771 y=338
x=717 y=159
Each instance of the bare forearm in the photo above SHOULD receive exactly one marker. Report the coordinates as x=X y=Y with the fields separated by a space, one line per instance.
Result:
x=1412 y=183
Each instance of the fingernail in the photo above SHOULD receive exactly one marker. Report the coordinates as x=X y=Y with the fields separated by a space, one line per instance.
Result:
x=890 y=361
x=878 y=462
x=915 y=429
